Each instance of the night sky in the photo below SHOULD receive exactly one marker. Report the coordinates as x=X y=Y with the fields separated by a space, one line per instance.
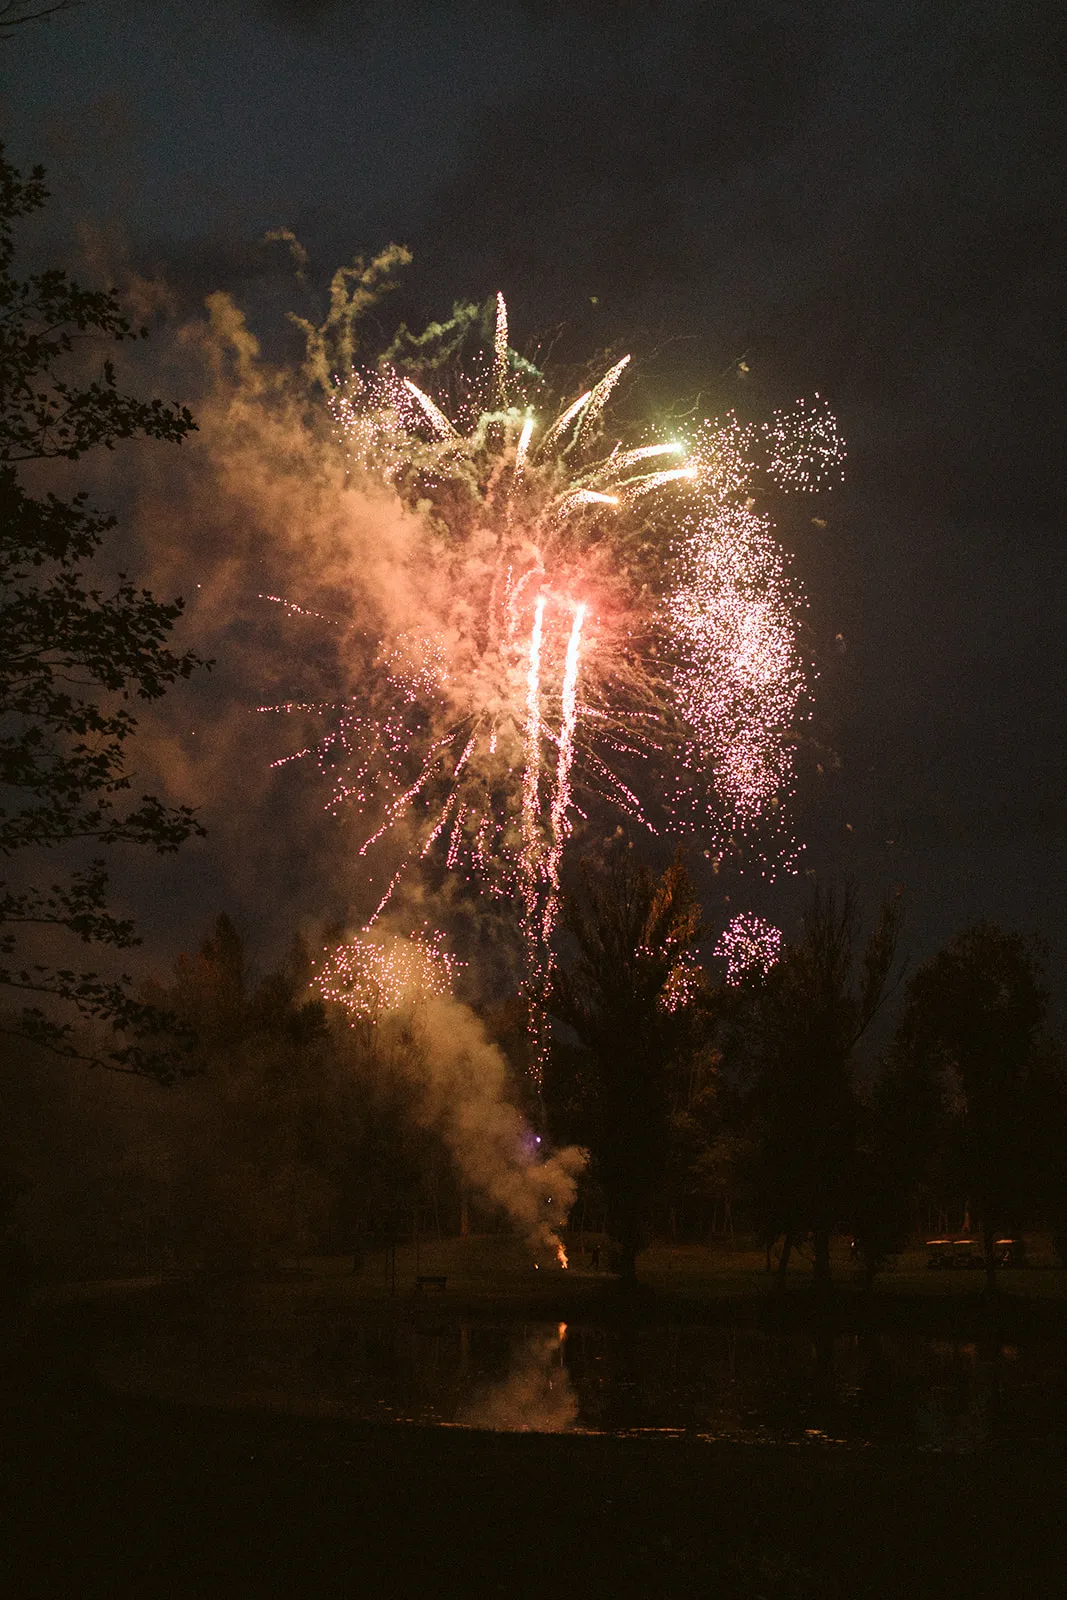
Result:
x=859 y=199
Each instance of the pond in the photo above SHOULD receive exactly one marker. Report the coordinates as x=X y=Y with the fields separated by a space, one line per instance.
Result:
x=718 y=1383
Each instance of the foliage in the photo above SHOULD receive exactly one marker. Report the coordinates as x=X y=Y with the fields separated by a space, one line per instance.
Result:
x=249 y=1138
x=972 y=1030
x=632 y=997
x=793 y=1034
x=703 y=1160
x=294 y=1134
x=297 y=1133
x=74 y=655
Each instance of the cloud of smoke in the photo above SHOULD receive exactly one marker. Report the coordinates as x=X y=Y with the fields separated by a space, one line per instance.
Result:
x=259 y=503
x=397 y=988
x=464 y=1091
x=263 y=506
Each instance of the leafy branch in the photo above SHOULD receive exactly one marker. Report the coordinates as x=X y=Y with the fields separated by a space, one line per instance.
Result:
x=74 y=657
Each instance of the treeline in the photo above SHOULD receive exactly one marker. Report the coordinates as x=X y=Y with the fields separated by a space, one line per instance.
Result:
x=757 y=1109
x=764 y=1101
x=288 y=1132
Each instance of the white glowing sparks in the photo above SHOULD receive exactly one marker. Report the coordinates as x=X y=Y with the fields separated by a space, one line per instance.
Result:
x=749 y=945
x=805 y=449
x=500 y=347
x=684 y=982
x=630 y=458
x=562 y=423
x=522 y=449
x=373 y=976
x=599 y=397
x=531 y=777
x=585 y=497
x=561 y=800
x=299 y=611
x=657 y=480
x=739 y=678
x=437 y=417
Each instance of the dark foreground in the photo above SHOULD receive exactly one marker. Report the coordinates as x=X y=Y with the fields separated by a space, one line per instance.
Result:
x=104 y=1496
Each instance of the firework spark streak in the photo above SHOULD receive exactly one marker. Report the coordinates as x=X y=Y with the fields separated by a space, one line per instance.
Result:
x=592 y=623
x=531 y=777
x=562 y=800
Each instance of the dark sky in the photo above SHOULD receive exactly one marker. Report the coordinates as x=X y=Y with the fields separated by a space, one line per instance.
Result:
x=863 y=199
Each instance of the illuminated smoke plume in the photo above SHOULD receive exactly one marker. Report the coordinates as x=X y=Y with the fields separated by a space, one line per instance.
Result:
x=458 y=1078
x=578 y=620
x=749 y=945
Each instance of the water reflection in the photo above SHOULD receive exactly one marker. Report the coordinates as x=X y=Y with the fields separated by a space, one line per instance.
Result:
x=536 y=1396
x=744 y=1384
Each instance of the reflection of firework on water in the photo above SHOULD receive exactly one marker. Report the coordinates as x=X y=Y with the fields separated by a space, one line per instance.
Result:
x=372 y=976
x=535 y=1395
x=596 y=620
x=749 y=945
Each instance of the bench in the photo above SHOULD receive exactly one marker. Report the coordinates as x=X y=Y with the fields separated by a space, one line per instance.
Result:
x=430 y=1280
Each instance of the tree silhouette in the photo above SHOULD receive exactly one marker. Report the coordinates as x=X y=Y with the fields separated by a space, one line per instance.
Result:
x=254 y=1138
x=16 y=13
x=973 y=1022
x=793 y=1032
x=74 y=657
x=631 y=996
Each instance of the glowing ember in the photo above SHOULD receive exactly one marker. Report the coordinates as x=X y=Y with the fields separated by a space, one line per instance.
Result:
x=597 y=625
x=749 y=945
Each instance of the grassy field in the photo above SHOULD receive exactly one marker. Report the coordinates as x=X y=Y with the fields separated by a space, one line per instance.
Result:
x=492 y=1275
x=679 y=1281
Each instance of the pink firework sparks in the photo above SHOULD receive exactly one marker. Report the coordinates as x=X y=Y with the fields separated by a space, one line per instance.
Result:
x=373 y=975
x=749 y=945
x=594 y=621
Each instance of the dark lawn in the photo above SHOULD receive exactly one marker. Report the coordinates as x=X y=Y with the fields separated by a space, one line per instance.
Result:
x=120 y=1498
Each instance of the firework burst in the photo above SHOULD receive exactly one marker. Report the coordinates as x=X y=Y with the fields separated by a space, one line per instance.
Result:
x=749 y=945
x=371 y=976
x=600 y=621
